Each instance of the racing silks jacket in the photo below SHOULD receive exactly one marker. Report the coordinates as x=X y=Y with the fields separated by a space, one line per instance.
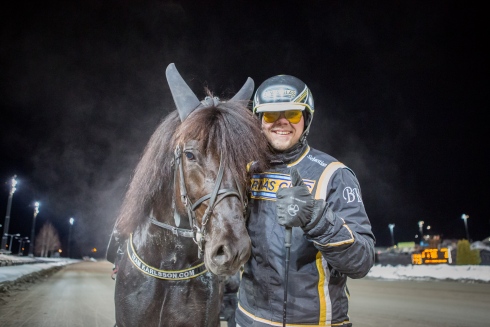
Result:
x=341 y=245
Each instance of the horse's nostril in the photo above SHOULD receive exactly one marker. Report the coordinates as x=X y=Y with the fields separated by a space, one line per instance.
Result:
x=222 y=255
x=220 y=251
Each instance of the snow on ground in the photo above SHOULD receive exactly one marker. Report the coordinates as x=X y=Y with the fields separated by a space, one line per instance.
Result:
x=11 y=273
x=16 y=270
x=429 y=272
x=411 y=272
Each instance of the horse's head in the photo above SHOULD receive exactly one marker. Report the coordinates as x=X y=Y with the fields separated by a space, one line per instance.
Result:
x=214 y=143
x=212 y=196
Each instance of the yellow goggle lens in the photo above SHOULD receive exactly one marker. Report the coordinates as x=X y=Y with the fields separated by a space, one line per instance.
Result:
x=293 y=116
x=271 y=116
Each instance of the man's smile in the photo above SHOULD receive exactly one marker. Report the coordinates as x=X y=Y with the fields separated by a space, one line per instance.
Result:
x=282 y=132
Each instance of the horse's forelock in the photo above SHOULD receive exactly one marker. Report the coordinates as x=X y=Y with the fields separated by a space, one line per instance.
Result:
x=229 y=130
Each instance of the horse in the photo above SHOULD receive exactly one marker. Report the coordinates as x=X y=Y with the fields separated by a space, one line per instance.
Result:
x=181 y=229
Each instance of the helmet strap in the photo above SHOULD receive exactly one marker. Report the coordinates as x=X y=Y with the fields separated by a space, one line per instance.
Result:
x=302 y=139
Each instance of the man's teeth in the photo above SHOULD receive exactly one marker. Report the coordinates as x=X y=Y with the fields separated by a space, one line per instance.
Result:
x=282 y=133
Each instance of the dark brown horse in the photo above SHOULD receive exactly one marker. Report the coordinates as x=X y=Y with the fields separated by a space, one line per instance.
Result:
x=182 y=227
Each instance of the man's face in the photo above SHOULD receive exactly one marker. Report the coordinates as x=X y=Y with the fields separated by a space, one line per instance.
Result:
x=282 y=134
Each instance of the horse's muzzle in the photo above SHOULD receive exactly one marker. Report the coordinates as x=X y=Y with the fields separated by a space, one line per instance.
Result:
x=225 y=258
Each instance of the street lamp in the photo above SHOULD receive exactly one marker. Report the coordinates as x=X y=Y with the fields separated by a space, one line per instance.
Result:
x=36 y=211
x=421 y=228
x=72 y=220
x=13 y=183
x=465 y=217
x=391 y=226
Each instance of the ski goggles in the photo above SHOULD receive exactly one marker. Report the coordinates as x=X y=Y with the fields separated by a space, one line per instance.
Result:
x=293 y=116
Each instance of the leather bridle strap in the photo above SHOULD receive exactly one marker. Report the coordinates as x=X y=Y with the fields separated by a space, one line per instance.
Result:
x=198 y=233
x=175 y=230
x=201 y=232
x=213 y=195
x=225 y=192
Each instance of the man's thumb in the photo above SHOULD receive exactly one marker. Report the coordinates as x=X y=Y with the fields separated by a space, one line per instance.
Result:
x=296 y=179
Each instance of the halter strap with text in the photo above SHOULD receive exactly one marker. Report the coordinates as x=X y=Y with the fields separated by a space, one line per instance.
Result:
x=189 y=273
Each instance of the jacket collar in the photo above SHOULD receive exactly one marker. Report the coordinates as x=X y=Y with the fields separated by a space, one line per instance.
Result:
x=290 y=155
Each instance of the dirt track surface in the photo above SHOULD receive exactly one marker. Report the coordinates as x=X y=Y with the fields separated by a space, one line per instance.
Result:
x=78 y=295
x=388 y=303
x=81 y=295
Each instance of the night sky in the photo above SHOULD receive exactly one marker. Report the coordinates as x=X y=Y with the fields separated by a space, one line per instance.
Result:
x=400 y=91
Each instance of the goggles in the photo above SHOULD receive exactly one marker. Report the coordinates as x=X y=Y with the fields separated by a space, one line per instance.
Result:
x=293 y=116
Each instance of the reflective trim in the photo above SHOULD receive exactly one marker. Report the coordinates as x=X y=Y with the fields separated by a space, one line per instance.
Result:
x=279 y=324
x=294 y=163
x=321 y=190
x=339 y=243
x=325 y=314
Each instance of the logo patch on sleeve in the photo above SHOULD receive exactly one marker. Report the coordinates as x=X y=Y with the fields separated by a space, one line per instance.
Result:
x=265 y=186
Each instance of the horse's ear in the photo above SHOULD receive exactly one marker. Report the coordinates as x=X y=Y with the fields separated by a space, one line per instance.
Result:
x=185 y=100
x=245 y=92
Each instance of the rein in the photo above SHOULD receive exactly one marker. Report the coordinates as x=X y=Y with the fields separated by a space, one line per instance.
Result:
x=197 y=233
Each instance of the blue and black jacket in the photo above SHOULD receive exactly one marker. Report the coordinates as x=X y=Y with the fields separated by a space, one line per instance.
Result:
x=341 y=245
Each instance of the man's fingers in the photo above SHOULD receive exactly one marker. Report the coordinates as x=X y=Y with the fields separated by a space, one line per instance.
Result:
x=296 y=179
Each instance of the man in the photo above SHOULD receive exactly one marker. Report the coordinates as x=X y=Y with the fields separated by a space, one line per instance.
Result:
x=317 y=197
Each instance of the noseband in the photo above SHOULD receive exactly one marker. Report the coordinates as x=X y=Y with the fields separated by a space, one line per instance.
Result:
x=197 y=233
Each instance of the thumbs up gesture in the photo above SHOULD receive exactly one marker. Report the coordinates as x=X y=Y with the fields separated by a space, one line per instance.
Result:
x=296 y=207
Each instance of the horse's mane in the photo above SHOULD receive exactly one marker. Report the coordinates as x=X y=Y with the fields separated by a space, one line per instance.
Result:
x=228 y=129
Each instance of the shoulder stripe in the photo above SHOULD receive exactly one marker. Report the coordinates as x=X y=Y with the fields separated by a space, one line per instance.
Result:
x=321 y=190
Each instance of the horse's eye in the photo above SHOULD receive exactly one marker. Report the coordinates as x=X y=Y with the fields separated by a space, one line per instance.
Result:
x=189 y=155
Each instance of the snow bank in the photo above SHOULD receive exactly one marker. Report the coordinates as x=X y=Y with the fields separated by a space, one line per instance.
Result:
x=442 y=271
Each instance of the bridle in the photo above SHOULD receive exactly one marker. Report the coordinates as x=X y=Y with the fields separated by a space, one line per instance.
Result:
x=197 y=233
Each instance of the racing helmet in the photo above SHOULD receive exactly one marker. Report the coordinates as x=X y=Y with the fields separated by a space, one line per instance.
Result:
x=284 y=92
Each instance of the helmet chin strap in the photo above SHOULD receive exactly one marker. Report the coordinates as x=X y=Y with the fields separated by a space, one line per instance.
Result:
x=302 y=139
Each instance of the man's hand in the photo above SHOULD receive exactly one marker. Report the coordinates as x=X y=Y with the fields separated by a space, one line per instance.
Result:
x=296 y=207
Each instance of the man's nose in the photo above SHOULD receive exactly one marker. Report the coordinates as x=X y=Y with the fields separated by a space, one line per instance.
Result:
x=282 y=118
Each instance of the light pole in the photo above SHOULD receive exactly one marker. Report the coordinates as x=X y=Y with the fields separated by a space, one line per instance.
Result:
x=11 y=238
x=465 y=217
x=421 y=228
x=391 y=226
x=18 y=238
x=22 y=240
x=13 y=183
x=36 y=211
x=27 y=240
x=72 y=220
